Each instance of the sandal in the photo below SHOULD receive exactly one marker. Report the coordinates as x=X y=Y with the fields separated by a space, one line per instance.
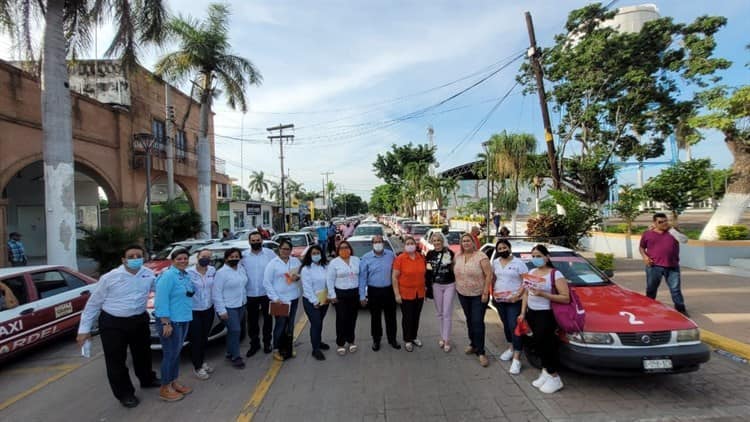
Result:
x=409 y=347
x=441 y=343
x=447 y=347
x=341 y=351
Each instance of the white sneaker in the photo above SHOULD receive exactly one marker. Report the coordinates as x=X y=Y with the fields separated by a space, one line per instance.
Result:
x=515 y=367
x=552 y=385
x=417 y=342
x=208 y=368
x=507 y=355
x=201 y=374
x=541 y=380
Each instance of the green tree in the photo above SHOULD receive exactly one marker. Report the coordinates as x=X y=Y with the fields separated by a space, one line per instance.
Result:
x=258 y=183
x=204 y=55
x=239 y=194
x=391 y=166
x=564 y=229
x=510 y=154
x=384 y=199
x=628 y=205
x=174 y=224
x=680 y=185
x=349 y=204
x=67 y=30
x=105 y=245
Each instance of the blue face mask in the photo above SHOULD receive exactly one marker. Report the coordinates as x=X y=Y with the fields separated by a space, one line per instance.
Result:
x=538 y=261
x=134 y=263
x=315 y=258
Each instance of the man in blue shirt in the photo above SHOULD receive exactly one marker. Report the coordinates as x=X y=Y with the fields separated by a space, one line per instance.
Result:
x=16 y=252
x=322 y=232
x=375 y=290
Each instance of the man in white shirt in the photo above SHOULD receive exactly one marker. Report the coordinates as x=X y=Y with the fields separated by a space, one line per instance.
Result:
x=255 y=261
x=119 y=302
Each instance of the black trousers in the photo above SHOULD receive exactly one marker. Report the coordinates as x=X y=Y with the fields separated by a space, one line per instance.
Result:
x=257 y=308
x=118 y=334
x=347 y=308
x=200 y=327
x=381 y=300
x=411 y=310
x=543 y=325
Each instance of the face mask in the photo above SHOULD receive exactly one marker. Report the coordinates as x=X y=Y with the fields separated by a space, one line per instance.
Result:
x=378 y=247
x=315 y=258
x=256 y=246
x=233 y=262
x=345 y=253
x=503 y=254
x=410 y=248
x=538 y=261
x=203 y=262
x=135 y=263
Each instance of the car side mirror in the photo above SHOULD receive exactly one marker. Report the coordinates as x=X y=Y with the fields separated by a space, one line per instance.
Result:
x=609 y=273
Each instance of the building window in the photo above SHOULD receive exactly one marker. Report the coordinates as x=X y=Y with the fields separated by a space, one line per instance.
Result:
x=159 y=130
x=254 y=219
x=239 y=220
x=266 y=218
x=180 y=142
x=222 y=191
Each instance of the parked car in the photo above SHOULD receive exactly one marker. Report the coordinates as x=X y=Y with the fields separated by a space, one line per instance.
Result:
x=625 y=332
x=363 y=244
x=369 y=230
x=417 y=231
x=300 y=241
x=163 y=259
x=312 y=230
x=453 y=236
x=50 y=301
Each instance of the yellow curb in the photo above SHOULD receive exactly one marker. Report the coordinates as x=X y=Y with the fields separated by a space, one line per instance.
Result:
x=261 y=389
x=725 y=343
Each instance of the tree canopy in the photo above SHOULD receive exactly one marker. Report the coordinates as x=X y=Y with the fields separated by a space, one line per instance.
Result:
x=392 y=166
x=681 y=185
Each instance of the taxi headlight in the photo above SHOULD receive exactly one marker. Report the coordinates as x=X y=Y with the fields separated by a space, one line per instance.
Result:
x=692 y=334
x=591 y=338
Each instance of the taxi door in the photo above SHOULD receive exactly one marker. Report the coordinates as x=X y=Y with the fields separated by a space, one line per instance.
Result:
x=15 y=323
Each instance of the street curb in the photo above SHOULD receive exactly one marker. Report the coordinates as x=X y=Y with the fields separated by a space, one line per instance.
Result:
x=725 y=343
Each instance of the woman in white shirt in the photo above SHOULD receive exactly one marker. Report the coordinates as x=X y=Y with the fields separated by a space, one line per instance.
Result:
x=315 y=296
x=281 y=281
x=202 y=275
x=342 y=278
x=229 y=301
x=536 y=309
x=507 y=296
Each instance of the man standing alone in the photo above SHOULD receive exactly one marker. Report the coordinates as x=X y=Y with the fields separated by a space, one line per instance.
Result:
x=375 y=281
x=16 y=252
x=660 y=251
x=254 y=261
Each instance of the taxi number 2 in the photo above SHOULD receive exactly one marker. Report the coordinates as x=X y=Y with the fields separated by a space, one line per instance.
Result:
x=632 y=320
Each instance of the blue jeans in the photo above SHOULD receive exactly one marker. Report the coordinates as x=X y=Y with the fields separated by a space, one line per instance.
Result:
x=170 y=350
x=509 y=315
x=234 y=328
x=280 y=323
x=316 y=316
x=474 y=310
x=654 y=275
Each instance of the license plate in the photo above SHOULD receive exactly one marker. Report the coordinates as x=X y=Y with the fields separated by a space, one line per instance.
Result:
x=657 y=364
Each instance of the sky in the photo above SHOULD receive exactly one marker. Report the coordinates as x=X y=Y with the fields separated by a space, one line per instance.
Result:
x=356 y=76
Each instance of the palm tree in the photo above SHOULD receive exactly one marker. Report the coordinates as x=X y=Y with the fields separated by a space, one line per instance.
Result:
x=330 y=190
x=275 y=191
x=204 y=55
x=67 y=26
x=258 y=183
x=510 y=154
x=450 y=186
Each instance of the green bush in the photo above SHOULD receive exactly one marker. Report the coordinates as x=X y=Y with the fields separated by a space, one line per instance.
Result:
x=605 y=261
x=174 y=223
x=105 y=245
x=736 y=232
x=622 y=228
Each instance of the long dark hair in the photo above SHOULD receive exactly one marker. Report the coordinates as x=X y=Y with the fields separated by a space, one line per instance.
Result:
x=231 y=251
x=285 y=240
x=544 y=251
x=307 y=259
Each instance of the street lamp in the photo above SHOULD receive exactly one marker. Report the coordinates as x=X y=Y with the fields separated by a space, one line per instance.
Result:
x=147 y=141
x=486 y=146
x=538 y=183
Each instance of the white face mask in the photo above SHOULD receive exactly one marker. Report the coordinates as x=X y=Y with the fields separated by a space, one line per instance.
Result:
x=410 y=248
x=378 y=247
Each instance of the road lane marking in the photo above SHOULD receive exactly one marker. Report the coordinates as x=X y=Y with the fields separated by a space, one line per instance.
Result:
x=261 y=389
x=35 y=369
x=34 y=389
x=725 y=343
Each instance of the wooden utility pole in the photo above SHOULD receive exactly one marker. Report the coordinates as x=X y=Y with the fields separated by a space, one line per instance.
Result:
x=282 y=138
x=534 y=54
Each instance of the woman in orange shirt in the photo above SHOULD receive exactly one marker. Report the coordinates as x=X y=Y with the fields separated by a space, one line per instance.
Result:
x=409 y=288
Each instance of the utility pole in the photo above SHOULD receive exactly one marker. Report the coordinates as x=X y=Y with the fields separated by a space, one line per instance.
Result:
x=170 y=141
x=534 y=55
x=325 y=190
x=282 y=138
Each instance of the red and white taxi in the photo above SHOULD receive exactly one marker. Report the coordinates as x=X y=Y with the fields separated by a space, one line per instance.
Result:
x=300 y=242
x=50 y=301
x=625 y=332
x=453 y=236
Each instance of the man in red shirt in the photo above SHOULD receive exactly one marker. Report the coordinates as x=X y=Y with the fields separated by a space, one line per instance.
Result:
x=660 y=250
x=475 y=235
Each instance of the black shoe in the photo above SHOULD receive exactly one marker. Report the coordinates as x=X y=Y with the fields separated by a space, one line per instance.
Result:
x=317 y=354
x=130 y=402
x=267 y=349
x=376 y=346
x=324 y=346
x=154 y=383
x=253 y=350
x=395 y=345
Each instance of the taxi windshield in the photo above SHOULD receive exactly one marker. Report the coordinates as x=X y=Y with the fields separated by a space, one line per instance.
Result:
x=368 y=231
x=575 y=268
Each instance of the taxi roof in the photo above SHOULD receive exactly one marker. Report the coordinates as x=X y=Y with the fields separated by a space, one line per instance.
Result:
x=525 y=246
x=11 y=271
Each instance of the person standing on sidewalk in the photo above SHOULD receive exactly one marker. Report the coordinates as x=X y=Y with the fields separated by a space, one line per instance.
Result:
x=475 y=231
x=254 y=262
x=473 y=280
x=440 y=272
x=315 y=296
x=202 y=276
x=660 y=250
x=409 y=288
x=376 y=291
x=173 y=310
x=281 y=281
x=229 y=298
x=508 y=298
x=342 y=278
x=322 y=232
x=119 y=302
x=16 y=251
x=537 y=310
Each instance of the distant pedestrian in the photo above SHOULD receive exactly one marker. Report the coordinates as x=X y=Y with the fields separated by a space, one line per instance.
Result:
x=504 y=233
x=376 y=291
x=254 y=262
x=409 y=288
x=264 y=234
x=342 y=278
x=536 y=309
x=440 y=262
x=202 y=275
x=348 y=230
x=281 y=281
x=315 y=296
x=475 y=231
x=660 y=250
x=473 y=279
x=119 y=303
x=173 y=310
x=331 y=242
x=229 y=298
x=226 y=235
x=496 y=222
x=508 y=298
x=322 y=232
x=16 y=251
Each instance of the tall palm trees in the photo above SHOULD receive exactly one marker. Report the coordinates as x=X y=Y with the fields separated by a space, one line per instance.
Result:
x=258 y=183
x=67 y=30
x=204 y=55
x=509 y=154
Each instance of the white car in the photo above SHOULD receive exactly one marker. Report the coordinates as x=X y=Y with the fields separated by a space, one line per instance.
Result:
x=363 y=244
x=369 y=230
